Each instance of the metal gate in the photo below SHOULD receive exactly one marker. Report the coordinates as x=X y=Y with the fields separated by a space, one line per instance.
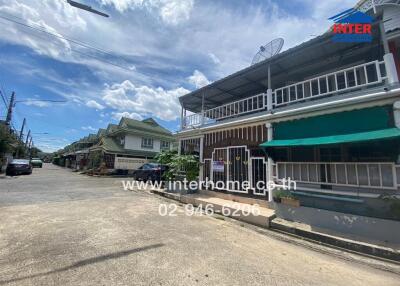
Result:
x=259 y=173
x=229 y=168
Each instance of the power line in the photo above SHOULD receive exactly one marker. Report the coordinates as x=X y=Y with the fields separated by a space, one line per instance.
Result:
x=43 y=30
x=4 y=99
x=69 y=40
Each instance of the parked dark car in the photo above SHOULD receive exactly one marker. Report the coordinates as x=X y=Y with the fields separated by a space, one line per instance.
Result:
x=18 y=167
x=150 y=172
x=36 y=162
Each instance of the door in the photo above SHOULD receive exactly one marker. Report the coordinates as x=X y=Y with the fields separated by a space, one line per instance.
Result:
x=219 y=168
x=230 y=168
x=238 y=169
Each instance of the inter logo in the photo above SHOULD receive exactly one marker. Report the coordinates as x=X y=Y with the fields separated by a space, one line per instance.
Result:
x=352 y=26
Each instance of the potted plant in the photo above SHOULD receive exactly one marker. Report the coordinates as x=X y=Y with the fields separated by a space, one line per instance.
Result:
x=286 y=197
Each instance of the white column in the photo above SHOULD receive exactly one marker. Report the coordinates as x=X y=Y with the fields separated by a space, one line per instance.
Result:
x=182 y=125
x=390 y=68
x=396 y=112
x=270 y=161
x=201 y=157
x=269 y=99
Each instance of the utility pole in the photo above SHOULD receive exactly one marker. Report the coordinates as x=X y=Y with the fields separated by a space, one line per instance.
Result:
x=27 y=138
x=10 y=107
x=30 y=147
x=21 y=135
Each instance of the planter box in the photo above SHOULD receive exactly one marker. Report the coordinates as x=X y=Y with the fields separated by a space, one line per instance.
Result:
x=290 y=202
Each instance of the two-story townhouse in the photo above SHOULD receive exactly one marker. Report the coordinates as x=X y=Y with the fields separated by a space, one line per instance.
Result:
x=328 y=117
x=130 y=144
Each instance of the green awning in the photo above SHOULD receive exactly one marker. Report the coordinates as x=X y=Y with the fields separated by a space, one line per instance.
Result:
x=347 y=122
x=388 y=133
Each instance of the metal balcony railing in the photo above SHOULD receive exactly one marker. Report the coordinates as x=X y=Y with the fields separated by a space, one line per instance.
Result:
x=338 y=82
x=378 y=175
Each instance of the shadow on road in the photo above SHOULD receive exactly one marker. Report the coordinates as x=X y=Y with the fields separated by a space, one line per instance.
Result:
x=85 y=262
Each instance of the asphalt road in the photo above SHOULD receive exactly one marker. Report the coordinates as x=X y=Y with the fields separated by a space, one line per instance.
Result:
x=61 y=228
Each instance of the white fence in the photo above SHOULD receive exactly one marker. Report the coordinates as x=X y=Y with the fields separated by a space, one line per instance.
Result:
x=235 y=108
x=379 y=175
x=341 y=81
x=125 y=163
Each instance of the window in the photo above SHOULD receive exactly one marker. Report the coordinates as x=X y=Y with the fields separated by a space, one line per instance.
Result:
x=164 y=145
x=147 y=143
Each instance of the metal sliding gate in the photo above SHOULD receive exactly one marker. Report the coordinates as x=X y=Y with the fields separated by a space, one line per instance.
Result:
x=233 y=169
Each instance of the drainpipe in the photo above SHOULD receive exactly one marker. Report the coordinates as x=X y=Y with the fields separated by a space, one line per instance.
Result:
x=270 y=161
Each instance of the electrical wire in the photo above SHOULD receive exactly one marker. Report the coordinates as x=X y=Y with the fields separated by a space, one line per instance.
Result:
x=3 y=93
x=43 y=30
x=87 y=46
x=4 y=99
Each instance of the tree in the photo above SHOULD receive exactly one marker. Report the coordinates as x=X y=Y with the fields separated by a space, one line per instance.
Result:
x=187 y=164
x=7 y=140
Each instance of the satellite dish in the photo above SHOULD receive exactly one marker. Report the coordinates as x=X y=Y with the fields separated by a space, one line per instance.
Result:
x=268 y=51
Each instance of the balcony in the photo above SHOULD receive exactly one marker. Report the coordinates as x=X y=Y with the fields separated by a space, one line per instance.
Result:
x=336 y=83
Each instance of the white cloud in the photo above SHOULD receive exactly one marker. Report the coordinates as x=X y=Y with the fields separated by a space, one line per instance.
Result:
x=176 y=11
x=88 y=128
x=214 y=58
x=144 y=100
x=132 y=115
x=198 y=79
x=94 y=104
x=172 y=12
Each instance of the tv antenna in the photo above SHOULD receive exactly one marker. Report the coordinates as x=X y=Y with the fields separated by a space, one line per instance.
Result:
x=266 y=52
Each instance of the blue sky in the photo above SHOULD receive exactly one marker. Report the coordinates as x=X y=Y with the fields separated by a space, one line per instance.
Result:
x=166 y=48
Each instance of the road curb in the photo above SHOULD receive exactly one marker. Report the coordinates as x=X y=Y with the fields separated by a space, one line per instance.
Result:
x=286 y=227
x=355 y=246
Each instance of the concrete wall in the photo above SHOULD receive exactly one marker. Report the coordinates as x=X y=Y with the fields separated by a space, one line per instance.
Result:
x=380 y=231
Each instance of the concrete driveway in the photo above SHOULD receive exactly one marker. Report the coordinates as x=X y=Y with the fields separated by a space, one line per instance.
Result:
x=61 y=228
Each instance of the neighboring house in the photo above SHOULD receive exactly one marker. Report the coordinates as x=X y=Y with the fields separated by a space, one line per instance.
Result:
x=129 y=144
x=76 y=154
x=329 y=119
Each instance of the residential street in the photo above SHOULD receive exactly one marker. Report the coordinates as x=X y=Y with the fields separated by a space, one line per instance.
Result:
x=61 y=228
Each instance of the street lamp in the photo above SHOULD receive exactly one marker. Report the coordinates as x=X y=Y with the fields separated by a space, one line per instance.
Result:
x=86 y=7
